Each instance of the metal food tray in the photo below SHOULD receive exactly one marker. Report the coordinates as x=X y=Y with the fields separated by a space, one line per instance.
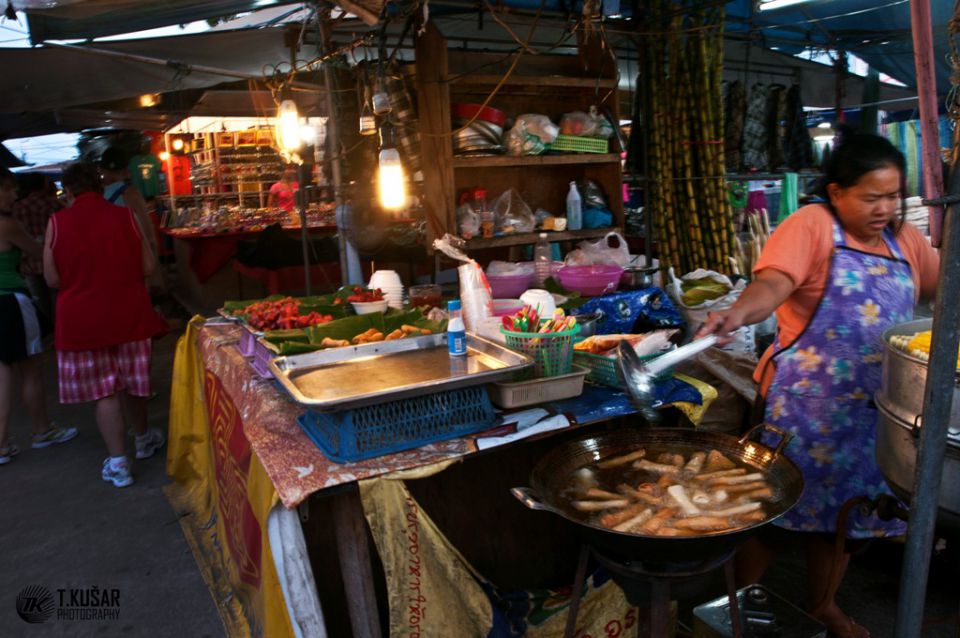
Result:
x=367 y=374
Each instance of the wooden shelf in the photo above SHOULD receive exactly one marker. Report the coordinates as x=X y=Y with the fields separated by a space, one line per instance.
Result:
x=535 y=160
x=523 y=239
x=561 y=82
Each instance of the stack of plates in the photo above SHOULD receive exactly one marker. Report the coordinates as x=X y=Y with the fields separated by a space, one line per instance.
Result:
x=388 y=281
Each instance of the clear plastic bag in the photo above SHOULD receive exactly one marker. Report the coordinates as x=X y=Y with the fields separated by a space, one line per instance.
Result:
x=531 y=134
x=512 y=214
x=578 y=123
x=612 y=249
x=468 y=221
x=475 y=294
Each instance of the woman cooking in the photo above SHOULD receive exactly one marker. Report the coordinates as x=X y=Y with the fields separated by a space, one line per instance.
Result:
x=837 y=274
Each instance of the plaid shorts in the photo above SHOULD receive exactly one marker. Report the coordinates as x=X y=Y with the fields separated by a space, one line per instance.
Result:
x=89 y=375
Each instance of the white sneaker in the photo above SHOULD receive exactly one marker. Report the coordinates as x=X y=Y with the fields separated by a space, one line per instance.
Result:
x=118 y=474
x=148 y=444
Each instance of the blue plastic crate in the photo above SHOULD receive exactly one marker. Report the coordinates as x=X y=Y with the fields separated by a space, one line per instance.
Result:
x=367 y=432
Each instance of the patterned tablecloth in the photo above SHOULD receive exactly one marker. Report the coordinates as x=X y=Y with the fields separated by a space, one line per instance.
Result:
x=299 y=468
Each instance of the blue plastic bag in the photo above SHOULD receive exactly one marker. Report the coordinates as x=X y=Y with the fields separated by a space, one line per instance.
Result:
x=633 y=311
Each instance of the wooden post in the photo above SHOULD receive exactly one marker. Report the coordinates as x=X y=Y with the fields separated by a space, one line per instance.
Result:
x=350 y=528
x=929 y=131
x=436 y=144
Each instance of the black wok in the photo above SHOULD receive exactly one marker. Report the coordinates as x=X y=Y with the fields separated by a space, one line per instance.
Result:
x=552 y=474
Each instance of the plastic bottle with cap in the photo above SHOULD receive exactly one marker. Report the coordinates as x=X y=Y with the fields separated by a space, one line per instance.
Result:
x=542 y=258
x=456 y=330
x=574 y=208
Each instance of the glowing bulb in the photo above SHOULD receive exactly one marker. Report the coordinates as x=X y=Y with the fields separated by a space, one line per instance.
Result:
x=164 y=156
x=177 y=144
x=288 y=126
x=391 y=184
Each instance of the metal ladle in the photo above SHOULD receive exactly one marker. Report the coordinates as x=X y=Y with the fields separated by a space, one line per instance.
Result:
x=639 y=376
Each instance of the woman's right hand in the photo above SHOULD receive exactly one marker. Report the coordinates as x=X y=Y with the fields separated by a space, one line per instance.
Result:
x=722 y=323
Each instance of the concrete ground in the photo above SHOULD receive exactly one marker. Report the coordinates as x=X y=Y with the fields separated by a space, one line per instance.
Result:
x=62 y=527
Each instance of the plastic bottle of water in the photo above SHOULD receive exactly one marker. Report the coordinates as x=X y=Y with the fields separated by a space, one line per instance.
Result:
x=542 y=260
x=574 y=208
x=456 y=331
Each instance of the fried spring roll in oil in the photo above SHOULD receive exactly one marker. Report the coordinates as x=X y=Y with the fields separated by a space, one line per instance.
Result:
x=657 y=521
x=617 y=461
x=736 y=510
x=695 y=464
x=598 y=506
x=707 y=476
x=615 y=518
x=656 y=468
x=634 y=521
x=703 y=523
x=735 y=480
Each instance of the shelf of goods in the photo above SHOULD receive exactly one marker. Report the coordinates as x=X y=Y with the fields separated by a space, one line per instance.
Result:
x=241 y=164
x=547 y=84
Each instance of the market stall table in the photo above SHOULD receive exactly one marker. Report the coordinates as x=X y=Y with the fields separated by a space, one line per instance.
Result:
x=209 y=251
x=238 y=458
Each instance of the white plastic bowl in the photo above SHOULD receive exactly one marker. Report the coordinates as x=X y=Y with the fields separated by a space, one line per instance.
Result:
x=366 y=307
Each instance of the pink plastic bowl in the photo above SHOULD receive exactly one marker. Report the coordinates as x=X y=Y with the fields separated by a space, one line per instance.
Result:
x=509 y=286
x=590 y=281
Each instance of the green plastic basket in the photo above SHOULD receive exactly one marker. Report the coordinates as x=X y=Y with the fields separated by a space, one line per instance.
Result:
x=603 y=370
x=552 y=352
x=577 y=144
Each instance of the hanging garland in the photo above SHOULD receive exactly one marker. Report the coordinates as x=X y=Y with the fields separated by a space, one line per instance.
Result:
x=692 y=216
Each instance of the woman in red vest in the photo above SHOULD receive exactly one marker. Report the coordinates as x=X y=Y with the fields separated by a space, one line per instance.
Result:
x=96 y=255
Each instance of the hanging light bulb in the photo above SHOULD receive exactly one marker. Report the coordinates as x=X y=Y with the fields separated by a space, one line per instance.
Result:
x=288 y=126
x=391 y=182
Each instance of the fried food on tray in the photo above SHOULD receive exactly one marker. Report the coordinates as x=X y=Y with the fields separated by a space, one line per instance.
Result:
x=327 y=342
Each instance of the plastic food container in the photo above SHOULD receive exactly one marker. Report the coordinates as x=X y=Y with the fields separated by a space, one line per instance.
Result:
x=590 y=281
x=366 y=307
x=509 y=286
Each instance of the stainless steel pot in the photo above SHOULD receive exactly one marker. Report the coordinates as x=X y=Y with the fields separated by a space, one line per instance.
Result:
x=588 y=323
x=897 y=443
x=637 y=277
x=905 y=376
x=900 y=405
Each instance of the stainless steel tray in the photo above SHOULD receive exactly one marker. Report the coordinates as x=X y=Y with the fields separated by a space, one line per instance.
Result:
x=351 y=377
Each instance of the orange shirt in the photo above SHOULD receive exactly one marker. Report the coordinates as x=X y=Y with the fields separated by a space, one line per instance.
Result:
x=801 y=248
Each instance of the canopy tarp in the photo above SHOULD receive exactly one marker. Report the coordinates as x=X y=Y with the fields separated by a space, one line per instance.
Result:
x=877 y=31
x=84 y=19
x=53 y=78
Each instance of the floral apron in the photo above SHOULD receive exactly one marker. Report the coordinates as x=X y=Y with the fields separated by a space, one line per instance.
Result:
x=823 y=387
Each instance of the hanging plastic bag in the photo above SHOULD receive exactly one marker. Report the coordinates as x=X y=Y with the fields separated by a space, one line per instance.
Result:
x=475 y=295
x=512 y=214
x=612 y=249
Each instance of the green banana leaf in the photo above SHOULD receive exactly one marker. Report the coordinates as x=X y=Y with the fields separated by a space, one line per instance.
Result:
x=280 y=336
x=295 y=347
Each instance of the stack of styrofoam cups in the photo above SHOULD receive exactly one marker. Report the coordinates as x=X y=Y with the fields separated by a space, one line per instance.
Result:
x=388 y=281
